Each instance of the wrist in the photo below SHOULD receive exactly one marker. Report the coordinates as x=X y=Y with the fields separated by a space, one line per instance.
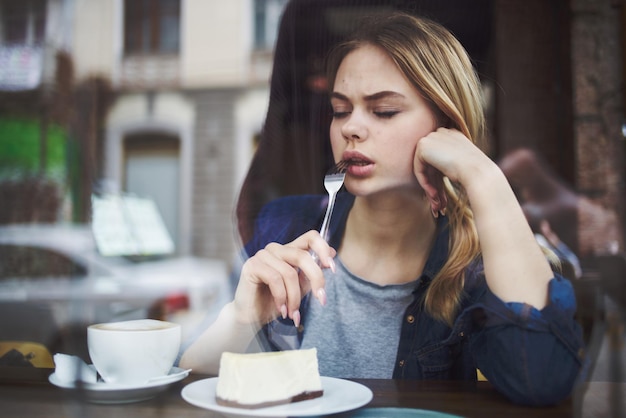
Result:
x=486 y=181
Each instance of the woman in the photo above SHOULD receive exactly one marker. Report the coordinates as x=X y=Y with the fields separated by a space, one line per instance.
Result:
x=431 y=270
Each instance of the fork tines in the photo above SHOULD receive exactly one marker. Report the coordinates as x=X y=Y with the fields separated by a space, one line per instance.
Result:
x=340 y=168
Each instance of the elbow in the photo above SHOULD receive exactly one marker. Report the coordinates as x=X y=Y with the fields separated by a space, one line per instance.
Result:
x=548 y=389
x=539 y=372
x=190 y=361
x=185 y=361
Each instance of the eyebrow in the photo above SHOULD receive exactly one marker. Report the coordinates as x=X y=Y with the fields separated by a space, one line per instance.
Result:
x=369 y=97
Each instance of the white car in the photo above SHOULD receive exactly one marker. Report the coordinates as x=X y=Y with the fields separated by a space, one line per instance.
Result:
x=52 y=278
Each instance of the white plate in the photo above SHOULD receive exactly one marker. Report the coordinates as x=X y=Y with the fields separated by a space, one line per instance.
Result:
x=102 y=392
x=339 y=396
x=390 y=412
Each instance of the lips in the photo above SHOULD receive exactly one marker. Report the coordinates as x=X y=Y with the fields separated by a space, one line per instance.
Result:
x=354 y=158
x=359 y=166
x=358 y=162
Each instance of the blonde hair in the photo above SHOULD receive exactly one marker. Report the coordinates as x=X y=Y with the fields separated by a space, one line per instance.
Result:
x=438 y=66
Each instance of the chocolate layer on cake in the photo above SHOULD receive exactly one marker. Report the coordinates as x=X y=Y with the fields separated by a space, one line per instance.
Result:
x=298 y=398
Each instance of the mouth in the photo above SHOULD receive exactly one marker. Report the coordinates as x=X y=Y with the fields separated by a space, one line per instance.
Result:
x=356 y=159
x=357 y=162
x=358 y=166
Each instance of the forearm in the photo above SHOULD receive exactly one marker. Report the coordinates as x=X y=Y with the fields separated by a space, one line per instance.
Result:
x=516 y=269
x=225 y=334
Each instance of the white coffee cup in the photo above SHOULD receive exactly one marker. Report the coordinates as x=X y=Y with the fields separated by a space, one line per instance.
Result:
x=133 y=352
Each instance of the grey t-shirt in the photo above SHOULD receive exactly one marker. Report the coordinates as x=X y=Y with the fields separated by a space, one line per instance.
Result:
x=356 y=334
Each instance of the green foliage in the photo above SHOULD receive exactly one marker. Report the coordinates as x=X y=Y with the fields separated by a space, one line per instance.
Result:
x=20 y=141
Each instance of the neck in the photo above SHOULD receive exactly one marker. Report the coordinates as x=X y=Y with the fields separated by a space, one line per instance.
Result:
x=387 y=240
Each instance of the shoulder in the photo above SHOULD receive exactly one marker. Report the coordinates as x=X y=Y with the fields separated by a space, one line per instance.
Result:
x=284 y=219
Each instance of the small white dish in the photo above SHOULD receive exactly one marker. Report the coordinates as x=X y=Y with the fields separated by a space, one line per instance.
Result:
x=339 y=396
x=102 y=392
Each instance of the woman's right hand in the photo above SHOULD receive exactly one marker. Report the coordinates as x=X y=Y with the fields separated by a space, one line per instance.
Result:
x=276 y=278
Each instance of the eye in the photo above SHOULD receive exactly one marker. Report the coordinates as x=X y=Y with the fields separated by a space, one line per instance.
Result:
x=340 y=114
x=387 y=114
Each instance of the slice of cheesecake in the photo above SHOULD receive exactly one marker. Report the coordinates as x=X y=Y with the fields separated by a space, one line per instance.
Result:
x=266 y=379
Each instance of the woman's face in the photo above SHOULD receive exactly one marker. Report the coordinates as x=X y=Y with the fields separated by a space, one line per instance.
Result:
x=378 y=119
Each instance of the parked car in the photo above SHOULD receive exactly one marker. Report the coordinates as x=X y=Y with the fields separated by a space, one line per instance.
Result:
x=54 y=282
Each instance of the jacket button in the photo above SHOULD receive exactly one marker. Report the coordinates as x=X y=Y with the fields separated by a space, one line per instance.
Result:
x=410 y=319
x=401 y=363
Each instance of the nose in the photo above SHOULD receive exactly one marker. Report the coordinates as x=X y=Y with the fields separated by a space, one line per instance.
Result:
x=354 y=129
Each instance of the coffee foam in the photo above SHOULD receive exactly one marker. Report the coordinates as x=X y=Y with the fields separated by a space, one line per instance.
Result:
x=137 y=325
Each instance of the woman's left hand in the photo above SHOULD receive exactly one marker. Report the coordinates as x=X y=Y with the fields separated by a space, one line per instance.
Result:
x=444 y=152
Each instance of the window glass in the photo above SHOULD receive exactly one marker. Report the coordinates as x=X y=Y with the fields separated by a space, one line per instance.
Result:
x=151 y=26
x=23 y=21
x=267 y=15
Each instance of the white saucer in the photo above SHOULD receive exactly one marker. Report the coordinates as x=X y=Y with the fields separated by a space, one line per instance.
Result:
x=339 y=396
x=102 y=392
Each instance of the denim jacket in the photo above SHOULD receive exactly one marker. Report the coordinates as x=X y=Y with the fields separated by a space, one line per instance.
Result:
x=533 y=357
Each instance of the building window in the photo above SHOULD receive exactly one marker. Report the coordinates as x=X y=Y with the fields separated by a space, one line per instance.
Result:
x=151 y=27
x=22 y=22
x=267 y=15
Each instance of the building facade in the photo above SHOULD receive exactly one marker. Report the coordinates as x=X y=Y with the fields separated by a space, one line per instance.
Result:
x=191 y=84
x=165 y=98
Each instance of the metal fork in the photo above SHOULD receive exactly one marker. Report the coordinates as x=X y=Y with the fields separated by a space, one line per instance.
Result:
x=333 y=180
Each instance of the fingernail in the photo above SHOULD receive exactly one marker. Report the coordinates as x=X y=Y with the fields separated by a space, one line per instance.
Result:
x=283 y=311
x=296 y=318
x=331 y=265
x=443 y=212
x=321 y=296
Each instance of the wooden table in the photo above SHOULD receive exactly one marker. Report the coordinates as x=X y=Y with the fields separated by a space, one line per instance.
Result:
x=39 y=399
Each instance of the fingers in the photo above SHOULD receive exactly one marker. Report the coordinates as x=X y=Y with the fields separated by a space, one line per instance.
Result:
x=289 y=272
x=321 y=253
x=282 y=279
x=435 y=193
x=441 y=154
x=432 y=183
x=261 y=293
